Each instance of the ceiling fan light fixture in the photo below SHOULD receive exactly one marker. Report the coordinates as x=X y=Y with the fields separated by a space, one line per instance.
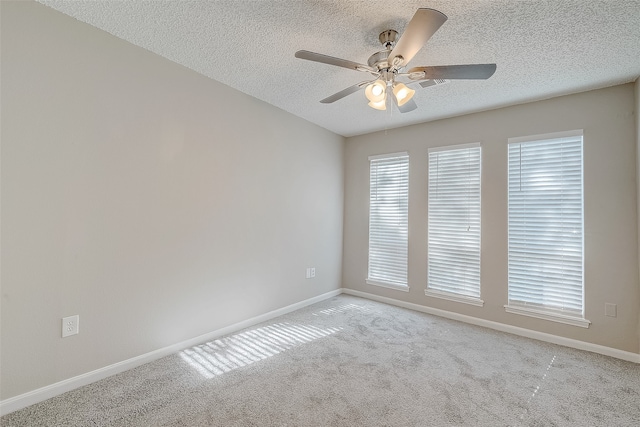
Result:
x=402 y=93
x=376 y=91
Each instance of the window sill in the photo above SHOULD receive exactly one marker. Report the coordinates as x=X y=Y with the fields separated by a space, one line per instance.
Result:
x=404 y=288
x=553 y=317
x=453 y=297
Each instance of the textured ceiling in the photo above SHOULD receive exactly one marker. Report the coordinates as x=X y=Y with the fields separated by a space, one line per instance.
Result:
x=542 y=49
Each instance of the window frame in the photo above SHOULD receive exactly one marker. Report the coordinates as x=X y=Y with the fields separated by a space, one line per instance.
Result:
x=535 y=309
x=374 y=279
x=432 y=228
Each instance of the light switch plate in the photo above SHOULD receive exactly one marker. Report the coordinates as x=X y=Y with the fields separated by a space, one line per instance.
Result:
x=610 y=310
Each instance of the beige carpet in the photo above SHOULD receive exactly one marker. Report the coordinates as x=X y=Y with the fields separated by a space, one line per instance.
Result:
x=353 y=362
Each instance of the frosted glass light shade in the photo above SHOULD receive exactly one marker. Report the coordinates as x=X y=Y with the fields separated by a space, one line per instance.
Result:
x=376 y=91
x=402 y=93
x=381 y=105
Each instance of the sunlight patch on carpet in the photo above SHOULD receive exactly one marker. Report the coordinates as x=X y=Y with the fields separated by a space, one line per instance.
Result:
x=226 y=354
x=343 y=308
x=535 y=391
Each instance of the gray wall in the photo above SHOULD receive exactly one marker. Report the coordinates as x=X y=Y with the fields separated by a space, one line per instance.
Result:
x=157 y=204
x=611 y=247
x=637 y=115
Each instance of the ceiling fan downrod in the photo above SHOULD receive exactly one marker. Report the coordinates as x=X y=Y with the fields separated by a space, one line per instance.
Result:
x=388 y=38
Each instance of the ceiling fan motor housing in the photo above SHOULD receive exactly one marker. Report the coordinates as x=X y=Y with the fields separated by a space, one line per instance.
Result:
x=379 y=60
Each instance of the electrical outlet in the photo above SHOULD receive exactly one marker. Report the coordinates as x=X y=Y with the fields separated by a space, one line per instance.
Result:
x=313 y=271
x=70 y=325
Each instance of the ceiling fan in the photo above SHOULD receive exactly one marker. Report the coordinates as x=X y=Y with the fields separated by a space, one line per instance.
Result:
x=387 y=66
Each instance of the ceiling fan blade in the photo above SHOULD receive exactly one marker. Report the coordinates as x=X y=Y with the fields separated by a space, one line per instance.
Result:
x=326 y=59
x=422 y=26
x=452 y=72
x=410 y=105
x=345 y=92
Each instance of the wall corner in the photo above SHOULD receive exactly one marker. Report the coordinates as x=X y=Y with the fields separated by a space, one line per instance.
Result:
x=637 y=126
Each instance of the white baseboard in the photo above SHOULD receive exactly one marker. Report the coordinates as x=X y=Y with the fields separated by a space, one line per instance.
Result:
x=528 y=333
x=22 y=401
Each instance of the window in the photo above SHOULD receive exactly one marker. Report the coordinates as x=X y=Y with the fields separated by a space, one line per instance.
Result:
x=388 y=220
x=546 y=227
x=453 y=254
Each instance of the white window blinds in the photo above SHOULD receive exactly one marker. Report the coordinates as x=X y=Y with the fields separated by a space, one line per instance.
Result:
x=546 y=224
x=388 y=219
x=454 y=220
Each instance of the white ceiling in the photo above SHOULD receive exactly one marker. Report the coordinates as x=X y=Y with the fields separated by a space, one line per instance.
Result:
x=542 y=49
